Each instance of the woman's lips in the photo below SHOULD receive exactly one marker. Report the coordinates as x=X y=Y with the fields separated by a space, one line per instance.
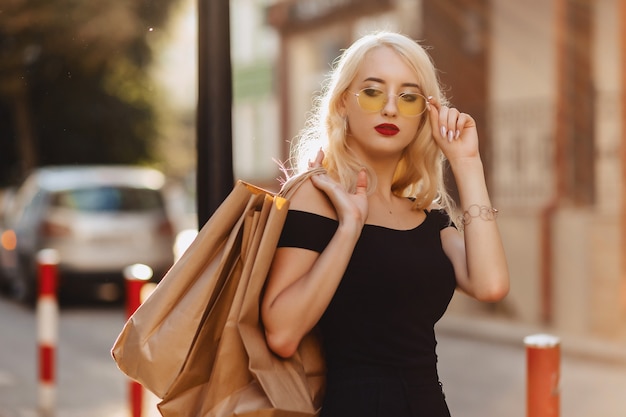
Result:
x=387 y=129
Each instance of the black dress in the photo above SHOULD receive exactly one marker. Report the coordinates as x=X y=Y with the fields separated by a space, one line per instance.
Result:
x=378 y=330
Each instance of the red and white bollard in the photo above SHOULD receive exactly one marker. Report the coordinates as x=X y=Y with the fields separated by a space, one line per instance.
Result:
x=543 y=357
x=136 y=276
x=47 y=328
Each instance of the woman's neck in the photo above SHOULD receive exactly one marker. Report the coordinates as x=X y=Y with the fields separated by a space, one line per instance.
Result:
x=384 y=180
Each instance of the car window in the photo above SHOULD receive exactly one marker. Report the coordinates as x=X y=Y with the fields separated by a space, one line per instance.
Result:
x=103 y=199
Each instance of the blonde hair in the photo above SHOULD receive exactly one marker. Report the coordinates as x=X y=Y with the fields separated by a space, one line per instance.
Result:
x=419 y=173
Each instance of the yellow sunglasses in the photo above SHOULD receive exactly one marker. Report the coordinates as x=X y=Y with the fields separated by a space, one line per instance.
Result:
x=373 y=99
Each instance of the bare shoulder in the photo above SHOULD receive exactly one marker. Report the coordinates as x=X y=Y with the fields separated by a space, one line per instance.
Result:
x=310 y=199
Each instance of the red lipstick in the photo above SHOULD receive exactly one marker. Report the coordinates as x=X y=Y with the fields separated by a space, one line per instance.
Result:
x=387 y=129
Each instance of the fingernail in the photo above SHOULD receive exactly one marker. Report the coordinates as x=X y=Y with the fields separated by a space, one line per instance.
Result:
x=443 y=131
x=429 y=98
x=457 y=134
x=450 y=135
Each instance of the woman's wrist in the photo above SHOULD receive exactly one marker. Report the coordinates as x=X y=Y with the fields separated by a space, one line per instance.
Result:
x=478 y=212
x=469 y=176
x=350 y=230
x=471 y=185
x=461 y=166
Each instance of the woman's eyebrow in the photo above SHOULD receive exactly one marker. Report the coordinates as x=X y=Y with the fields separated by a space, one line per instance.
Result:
x=376 y=80
x=381 y=81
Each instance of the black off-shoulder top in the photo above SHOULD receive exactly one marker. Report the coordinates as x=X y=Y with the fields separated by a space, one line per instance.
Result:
x=396 y=287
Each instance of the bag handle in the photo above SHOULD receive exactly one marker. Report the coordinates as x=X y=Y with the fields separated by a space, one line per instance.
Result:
x=292 y=184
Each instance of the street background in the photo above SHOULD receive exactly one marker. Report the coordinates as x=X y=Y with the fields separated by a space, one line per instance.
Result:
x=543 y=79
x=482 y=367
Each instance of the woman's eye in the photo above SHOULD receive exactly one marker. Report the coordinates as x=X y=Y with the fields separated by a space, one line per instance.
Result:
x=372 y=92
x=409 y=97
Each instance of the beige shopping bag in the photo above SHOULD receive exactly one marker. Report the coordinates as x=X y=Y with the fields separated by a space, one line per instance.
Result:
x=197 y=342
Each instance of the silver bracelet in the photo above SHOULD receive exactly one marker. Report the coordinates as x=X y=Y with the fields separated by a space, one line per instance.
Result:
x=476 y=211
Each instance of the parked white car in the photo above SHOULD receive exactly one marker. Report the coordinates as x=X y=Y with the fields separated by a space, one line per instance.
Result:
x=99 y=219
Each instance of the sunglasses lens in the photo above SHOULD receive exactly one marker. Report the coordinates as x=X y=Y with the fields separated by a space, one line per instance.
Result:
x=411 y=104
x=373 y=100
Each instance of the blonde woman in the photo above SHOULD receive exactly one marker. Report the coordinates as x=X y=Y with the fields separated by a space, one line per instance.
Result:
x=369 y=254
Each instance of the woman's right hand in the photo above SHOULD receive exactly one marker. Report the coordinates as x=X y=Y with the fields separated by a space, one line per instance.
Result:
x=349 y=207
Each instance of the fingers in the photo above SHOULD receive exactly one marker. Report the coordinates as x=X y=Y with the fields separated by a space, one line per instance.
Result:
x=361 y=182
x=447 y=122
x=329 y=186
x=351 y=208
x=333 y=190
x=340 y=198
x=448 y=118
x=322 y=182
x=318 y=159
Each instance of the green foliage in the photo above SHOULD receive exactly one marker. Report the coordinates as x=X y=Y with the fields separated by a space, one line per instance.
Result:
x=74 y=86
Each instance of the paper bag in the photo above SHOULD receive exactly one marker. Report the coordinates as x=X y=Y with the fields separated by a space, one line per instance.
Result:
x=197 y=342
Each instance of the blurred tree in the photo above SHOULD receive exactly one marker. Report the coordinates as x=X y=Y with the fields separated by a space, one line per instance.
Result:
x=74 y=86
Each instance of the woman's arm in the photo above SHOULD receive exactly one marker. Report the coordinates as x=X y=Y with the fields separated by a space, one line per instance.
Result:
x=477 y=255
x=301 y=282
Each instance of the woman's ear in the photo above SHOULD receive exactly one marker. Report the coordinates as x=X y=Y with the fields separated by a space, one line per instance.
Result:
x=341 y=106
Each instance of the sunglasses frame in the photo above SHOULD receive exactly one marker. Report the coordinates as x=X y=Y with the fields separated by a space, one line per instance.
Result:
x=358 y=94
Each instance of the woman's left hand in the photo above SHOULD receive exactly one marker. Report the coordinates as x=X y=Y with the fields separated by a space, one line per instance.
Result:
x=454 y=132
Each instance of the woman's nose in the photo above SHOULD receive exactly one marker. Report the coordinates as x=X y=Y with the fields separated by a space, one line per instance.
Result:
x=391 y=106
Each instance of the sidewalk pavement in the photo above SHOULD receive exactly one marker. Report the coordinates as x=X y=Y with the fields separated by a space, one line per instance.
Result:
x=510 y=332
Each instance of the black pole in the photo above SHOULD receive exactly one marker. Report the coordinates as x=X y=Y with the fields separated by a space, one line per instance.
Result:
x=214 y=176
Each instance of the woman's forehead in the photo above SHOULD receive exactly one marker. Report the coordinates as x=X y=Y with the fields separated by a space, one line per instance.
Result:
x=384 y=64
